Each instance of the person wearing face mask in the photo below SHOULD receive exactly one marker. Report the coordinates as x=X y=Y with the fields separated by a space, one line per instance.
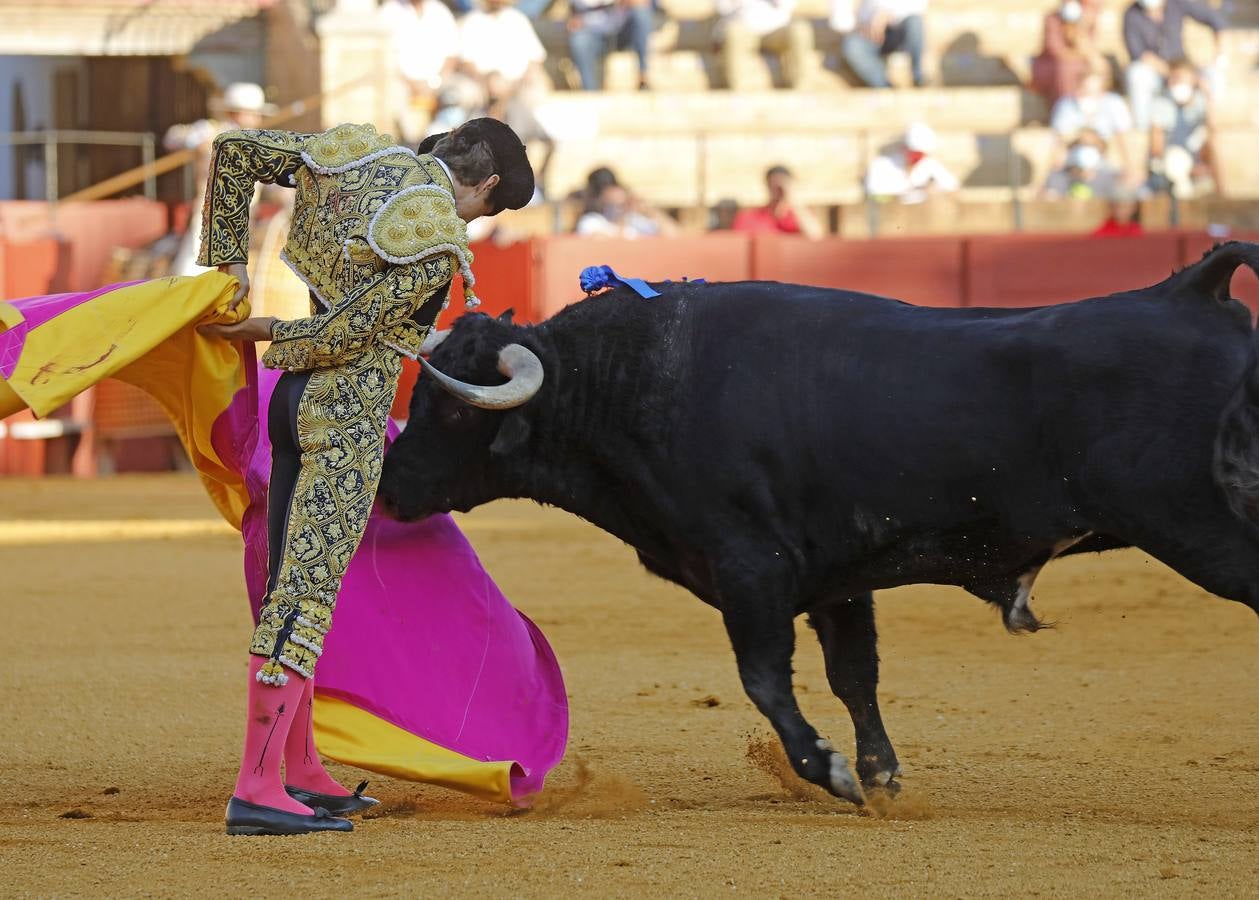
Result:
x=1070 y=50
x=1153 y=34
x=1180 y=134
x=1083 y=176
x=1095 y=107
x=378 y=232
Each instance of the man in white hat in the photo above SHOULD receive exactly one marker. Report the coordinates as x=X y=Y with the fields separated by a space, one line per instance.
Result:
x=243 y=105
x=907 y=171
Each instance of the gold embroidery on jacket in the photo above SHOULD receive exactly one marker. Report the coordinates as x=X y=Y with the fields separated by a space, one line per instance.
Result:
x=351 y=346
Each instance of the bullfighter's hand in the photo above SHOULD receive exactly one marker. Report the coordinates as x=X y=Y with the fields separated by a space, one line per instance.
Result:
x=253 y=329
x=240 y=272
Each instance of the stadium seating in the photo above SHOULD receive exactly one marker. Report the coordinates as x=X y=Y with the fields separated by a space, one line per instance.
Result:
x=685 y=145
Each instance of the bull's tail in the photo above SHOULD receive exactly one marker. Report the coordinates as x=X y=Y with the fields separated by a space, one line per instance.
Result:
x=1237 y=441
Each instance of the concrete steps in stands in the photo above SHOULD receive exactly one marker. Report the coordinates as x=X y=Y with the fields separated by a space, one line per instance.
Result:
x=686 y=155
x=666 y=112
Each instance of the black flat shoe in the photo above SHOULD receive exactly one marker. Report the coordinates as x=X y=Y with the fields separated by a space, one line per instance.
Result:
x=244 y=817
x=337 y=806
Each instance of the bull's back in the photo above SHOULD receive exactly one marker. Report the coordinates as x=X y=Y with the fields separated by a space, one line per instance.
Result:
x=854 y=399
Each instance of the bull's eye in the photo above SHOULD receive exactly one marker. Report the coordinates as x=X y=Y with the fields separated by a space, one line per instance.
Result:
x=456 y=415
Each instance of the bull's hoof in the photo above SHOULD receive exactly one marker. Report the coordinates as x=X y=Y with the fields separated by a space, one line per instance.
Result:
x=878 y=772
x=841 y=782
x=883 y=783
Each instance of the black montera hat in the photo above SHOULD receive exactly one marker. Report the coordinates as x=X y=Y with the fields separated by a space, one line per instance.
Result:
x=515 y=185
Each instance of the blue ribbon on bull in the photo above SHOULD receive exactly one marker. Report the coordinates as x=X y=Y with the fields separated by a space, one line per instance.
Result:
x=596 y=278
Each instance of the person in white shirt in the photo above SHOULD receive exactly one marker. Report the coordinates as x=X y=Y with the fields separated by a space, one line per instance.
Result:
x=499 y=73
x=425 y=40
x=499 y=42
x=746 y=27
x=1096 y=108
x=883 y=27
x=908 y=172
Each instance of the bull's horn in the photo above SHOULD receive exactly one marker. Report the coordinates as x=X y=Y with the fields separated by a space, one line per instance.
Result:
x=520 y=364
x=433 y=340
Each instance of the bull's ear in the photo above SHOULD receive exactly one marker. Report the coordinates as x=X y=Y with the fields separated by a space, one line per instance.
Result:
x=507 y=316
x=512 y=434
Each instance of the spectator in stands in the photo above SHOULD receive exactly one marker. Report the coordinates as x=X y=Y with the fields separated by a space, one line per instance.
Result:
x=499 y=46
x=721 y=217
x=425 y=41
x=596 y=27
x=1181 y=147
x=748 y=27
x=1123 y=218
x=1152 y=32
x=884 y=27
x=617 y=213
x=907 y=171
x=598 y=179
x=1070 y=50
x=1085 y=175
x=1098 y=109
x=499 y=73
x=782 y=214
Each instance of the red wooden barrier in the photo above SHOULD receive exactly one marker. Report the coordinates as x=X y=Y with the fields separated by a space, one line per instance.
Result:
x=504 y=280
x=926 y=271
x=1040 y=270
x=721 y=256
x=89 y=231
x=21 y=457
x=29 y=268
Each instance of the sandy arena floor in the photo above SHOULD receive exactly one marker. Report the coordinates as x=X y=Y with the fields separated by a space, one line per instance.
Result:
x=1117 y=755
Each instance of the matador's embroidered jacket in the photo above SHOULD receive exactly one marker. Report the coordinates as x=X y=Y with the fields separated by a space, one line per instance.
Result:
x=373 y=231
x=376 y=237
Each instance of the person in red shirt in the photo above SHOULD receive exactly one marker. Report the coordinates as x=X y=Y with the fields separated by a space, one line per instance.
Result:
x=1070 y=50
x=1123 y=220
x=782 y=214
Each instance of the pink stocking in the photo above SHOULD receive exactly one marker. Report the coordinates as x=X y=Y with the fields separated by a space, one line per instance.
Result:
x=272 y=709
x=302 y=766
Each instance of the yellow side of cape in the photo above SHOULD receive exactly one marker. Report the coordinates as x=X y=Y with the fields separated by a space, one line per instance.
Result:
x=353 y=736
x=144 y=334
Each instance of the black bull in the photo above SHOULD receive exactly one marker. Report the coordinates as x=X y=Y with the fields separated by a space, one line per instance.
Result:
x=779 y=449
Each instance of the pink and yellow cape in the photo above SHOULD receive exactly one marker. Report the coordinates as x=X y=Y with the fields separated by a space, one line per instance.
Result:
x=430 y=674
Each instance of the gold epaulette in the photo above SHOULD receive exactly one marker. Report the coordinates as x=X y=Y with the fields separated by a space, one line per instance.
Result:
x=348 y=147
x=418 y=222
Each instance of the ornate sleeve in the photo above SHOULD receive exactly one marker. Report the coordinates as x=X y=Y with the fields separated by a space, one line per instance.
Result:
x=239 y=160
x=338 y=335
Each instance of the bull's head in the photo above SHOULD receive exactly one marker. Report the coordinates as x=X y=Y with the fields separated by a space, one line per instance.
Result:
x=465 y=421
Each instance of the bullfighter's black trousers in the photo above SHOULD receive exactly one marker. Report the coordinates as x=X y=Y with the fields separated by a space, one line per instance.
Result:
x=286 y=462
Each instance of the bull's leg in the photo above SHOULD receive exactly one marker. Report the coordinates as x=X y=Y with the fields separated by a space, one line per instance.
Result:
x=845 y=629
x=762 y=632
